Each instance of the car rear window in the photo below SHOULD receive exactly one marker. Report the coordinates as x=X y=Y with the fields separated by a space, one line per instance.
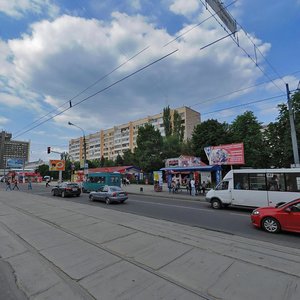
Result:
x=115 y=188
x=73 y=185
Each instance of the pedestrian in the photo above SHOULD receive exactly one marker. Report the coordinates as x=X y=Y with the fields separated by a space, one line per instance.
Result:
x=8 y=186
x=189 y=187
x=193 y=191
x=29 y=184
x=16 y=185
x=203 y=187
x=47 y=182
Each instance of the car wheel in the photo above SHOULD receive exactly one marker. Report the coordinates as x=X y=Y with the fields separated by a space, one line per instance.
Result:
x=107 y=201
x=91 y=197
x=270 y=224
x=216 y=204
x=52 y=193
x=63 y=194
x=77 y=195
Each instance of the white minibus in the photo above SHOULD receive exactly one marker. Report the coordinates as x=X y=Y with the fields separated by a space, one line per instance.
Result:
x=256 y=188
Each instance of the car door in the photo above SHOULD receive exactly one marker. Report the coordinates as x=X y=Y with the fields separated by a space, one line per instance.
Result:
x=292 y=221
x=104 y=192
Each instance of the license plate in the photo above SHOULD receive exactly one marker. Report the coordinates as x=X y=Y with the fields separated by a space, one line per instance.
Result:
x=74 y=190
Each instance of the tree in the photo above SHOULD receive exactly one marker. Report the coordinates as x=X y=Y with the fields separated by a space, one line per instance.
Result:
x=209 y=133
x=129 y=158
x=178 y=129
x=246 y=128
x=149 y=148
x=43 y=170
x=167 y=122
x=171 y=147
x=119 y=160
x=278 y=134
x=102 y=161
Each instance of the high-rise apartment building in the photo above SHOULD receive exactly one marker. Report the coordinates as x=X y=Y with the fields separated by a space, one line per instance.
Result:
x=113 y=141
x=10 y=149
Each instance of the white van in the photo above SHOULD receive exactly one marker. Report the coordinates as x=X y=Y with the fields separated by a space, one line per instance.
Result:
x=256 y=188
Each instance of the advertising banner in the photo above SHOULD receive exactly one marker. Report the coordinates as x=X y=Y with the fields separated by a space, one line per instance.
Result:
x=183 y=161
x=56 y=165
x=231 y=154
x=16 y=163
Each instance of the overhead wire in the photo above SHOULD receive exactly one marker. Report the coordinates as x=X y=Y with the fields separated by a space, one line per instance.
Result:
x=69 y=101
x=244 y=104
x=102 y=90
x=247 y=54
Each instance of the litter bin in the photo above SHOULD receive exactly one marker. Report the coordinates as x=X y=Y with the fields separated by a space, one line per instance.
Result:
x=141 y=189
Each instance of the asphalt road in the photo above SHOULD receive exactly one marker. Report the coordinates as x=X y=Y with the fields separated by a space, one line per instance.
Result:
x=193 y=213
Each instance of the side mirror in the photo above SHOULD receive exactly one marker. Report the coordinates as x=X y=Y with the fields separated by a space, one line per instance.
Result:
x=288 y=210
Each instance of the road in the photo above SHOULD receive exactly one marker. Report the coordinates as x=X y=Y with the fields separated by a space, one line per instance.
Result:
x=193 y=213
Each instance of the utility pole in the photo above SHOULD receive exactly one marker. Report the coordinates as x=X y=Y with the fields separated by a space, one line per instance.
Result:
x=293 y=129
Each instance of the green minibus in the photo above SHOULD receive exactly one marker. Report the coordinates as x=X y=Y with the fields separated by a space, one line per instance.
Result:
x=97 y=180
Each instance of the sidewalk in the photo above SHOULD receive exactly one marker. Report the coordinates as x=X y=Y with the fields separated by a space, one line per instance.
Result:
x=64 y=250
x=147 y=189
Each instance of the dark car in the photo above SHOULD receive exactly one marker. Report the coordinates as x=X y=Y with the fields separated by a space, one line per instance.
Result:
x=109 y=194
x=65 y=189
x=273 y=219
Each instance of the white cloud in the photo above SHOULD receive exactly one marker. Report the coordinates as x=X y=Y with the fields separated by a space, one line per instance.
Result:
x=3 y=120
x=183 y=7
x=18 y=8
x=58 y=59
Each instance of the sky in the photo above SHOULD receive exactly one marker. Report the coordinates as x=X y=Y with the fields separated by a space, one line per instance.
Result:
x=103 y=63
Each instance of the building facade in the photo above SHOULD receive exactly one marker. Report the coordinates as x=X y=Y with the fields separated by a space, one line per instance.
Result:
x=114 y=141
x=10 y=149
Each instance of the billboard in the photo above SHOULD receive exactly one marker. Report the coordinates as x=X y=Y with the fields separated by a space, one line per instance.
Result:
x=231 y=154
x=15 y=163
x=183 y=161
x=56 y=165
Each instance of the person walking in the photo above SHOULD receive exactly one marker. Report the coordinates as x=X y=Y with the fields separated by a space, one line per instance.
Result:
x=8 y=186
x=47 y=182
x=16 y=185
x=193 y=191
x=29 y=184
x=203 y=187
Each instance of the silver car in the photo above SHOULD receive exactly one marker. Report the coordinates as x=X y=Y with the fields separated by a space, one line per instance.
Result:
x=109 y=194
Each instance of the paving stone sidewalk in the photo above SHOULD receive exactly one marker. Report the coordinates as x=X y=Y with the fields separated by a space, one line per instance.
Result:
x=64 y=250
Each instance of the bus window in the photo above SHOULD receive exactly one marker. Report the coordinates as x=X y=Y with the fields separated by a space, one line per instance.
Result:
x=276 y=182
x=292 y=182
x=240 y=181
x=257 y=181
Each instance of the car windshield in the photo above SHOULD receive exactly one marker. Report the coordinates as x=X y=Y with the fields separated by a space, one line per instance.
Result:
x=285 y=203
x=115 y=189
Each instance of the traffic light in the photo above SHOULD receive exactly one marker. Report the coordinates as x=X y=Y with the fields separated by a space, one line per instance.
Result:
x=48 y=150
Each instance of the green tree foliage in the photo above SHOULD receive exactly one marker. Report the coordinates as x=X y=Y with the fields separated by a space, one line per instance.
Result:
x=167 y=121
x=129 y=158
x=209 y=133
x=149 y=148
x=178 y=130
x=278 y=134
x=43 y=170
x=119 y=160
x=171 y=147
x=246 y=128
x=102 y=161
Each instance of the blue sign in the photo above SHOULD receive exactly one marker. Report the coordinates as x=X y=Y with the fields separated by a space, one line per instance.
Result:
x=15 y=163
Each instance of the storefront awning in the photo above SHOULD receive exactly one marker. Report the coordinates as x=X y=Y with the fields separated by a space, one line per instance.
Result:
x=193 y=169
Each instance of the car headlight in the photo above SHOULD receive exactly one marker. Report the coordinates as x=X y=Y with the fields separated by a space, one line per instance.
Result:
x=255 y=212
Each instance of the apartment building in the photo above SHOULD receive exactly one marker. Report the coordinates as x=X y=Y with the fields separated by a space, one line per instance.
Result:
x=10 y=149
x=113 y=141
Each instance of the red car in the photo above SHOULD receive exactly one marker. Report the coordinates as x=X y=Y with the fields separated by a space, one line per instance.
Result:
x=273 y=219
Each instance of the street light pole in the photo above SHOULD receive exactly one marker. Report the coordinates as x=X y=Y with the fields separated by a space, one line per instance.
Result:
x=84 y=146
